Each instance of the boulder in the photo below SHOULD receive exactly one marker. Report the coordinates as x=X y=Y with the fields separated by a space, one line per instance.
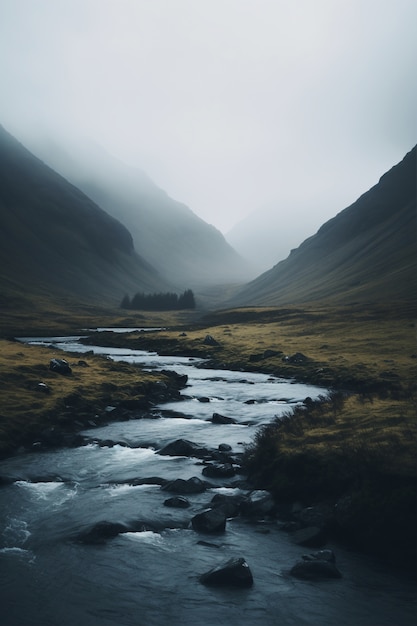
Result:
x=311 y=537
x=180 y=380
x=216 y=470
x=233 y=573
x=210 y=341
x=177 y=502
x=321 y=564
x=209 y=521
x=270 y=353
x=101 y=532
x=230 y=505
x=296 y=359
x=321 y=555
x=180 y=485
x=183 y=447
x=257 y=504
x=222 y=419
x=225 y=447
x=60 y=366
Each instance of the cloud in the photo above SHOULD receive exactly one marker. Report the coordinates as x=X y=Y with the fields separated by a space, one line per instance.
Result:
x=227 y=104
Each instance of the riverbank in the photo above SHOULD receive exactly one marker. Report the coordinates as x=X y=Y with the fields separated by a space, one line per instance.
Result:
x=361 y=446
x=42 y=408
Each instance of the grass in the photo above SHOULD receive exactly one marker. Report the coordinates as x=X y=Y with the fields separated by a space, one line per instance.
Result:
x=95 y=383
x=361 y=441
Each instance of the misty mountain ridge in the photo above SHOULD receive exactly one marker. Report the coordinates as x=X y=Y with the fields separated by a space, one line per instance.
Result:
x=268 y=234
x=366 y=253
x=56 y=240
x=186 y=250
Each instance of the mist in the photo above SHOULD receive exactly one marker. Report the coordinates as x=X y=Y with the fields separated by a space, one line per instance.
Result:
x=228 y=106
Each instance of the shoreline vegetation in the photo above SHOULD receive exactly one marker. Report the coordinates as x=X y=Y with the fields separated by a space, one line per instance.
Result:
x=356 y=447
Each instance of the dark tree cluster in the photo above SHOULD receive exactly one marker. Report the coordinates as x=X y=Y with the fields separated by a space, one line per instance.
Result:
x=159 y=301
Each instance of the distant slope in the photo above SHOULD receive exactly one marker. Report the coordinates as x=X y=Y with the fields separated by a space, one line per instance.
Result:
x=179 y=244
x=54 y=240
x=268 y=234
x=368 y=252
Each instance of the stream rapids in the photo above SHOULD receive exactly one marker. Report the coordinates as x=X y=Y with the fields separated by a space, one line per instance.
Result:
x=151 y=577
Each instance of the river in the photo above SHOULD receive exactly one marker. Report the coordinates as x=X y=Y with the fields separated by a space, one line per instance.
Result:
x=151 y=578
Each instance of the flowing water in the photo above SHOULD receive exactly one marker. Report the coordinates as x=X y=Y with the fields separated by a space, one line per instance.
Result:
x=152 y=577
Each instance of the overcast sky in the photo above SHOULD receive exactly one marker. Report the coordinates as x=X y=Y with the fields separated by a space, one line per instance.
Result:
x=228 y=105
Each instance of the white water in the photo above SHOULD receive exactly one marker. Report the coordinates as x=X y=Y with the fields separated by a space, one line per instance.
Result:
x=151 y=578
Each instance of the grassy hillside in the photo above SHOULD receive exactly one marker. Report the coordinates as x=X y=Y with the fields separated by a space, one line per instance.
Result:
x=367 y=253
x=53 y=239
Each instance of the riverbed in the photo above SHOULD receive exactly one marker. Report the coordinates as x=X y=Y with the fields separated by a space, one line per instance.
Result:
x=151 y=577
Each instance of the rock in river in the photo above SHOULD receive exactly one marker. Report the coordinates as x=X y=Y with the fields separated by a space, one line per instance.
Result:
x=209 y=521
x=234 y=573
x=192 y=485
x=317 y=565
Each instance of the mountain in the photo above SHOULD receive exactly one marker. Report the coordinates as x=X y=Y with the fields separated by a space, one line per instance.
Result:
x=55 y=240
x=181 y=246
x=268 y=234
x=368 y=252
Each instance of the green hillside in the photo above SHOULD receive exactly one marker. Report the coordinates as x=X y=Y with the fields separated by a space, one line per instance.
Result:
x=367 y=253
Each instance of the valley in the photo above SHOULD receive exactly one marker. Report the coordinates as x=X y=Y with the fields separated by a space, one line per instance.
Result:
x=365 y=356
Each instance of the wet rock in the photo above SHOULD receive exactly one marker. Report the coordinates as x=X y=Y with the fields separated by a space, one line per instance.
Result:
x=257 y=504
x=203 y=399
x=134 y=482
x=179 y=380
x=209 y=521
x=233 y=573
x=230 y=505
x=225 y=447
x=102 y=532
x=321 y=555
x=60 y=366
x=215 y=470
x=217 y=418
x=321 y=564
x=181 y=486
x=109 y=443
x=177 y=502
x=208 y=544
x=183 y=447
x=311 y=537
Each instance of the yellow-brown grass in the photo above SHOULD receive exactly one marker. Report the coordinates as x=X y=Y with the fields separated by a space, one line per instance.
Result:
x=25 y=410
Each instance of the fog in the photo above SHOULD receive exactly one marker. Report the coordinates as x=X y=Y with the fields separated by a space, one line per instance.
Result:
x=227 y=105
